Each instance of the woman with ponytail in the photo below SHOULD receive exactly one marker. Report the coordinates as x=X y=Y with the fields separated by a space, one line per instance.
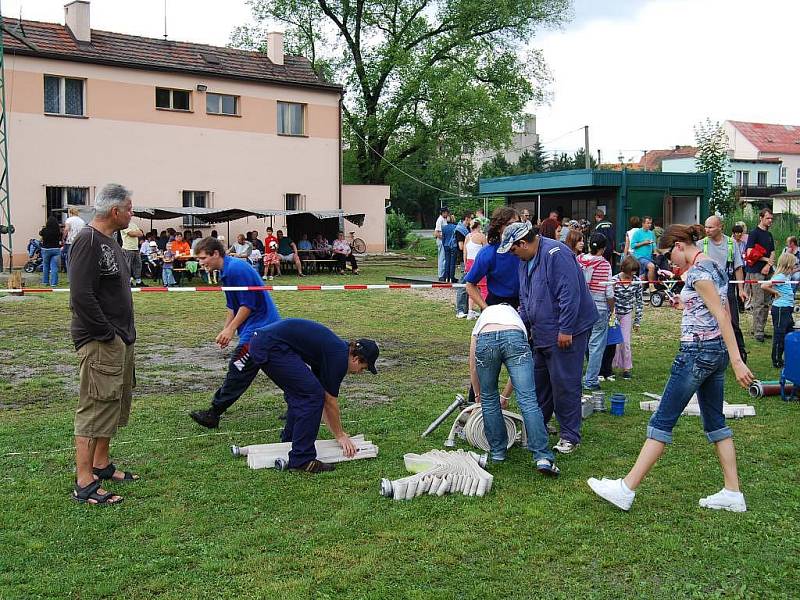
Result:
x=707 y=345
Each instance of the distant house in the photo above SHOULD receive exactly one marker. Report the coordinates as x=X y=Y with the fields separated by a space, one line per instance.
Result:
x=768 y=141
x=180 y=124
x=652 y=160
x=520 y=142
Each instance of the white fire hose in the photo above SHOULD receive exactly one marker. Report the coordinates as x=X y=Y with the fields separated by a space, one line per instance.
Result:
x=469 y=425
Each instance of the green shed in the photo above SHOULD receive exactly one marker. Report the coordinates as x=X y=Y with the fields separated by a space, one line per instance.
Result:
x=667 y=197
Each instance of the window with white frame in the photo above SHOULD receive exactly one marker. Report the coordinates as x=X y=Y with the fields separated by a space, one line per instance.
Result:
x=64 y=96
x=294 y=201
x=196 y=199
x=169 y=99
x=291 y=118
x=762 y=179
x=743 y=178
x=59 y=197
x=783 y=176
x=222 y=104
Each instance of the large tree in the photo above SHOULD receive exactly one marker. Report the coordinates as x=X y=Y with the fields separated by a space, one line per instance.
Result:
x=712 y=156
x=420 y=75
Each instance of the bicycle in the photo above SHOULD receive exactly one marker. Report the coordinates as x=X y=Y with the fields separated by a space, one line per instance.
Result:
x=357 y=245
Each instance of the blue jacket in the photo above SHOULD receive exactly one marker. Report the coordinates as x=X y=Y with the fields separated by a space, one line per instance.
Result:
x=553 y=295
x=449 y=236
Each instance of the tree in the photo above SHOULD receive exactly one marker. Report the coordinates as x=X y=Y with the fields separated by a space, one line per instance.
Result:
x=498 y=166
x=560 y=162
x=415 y=71
x=579 y=160
x=532 y=161
x=712 y=156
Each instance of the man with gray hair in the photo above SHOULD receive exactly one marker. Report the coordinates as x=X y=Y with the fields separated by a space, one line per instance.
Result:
x=104 y=335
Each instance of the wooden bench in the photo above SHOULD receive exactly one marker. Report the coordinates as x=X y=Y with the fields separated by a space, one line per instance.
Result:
x=316 y=263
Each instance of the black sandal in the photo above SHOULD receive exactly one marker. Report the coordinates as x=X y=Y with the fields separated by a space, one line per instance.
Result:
x=85 y=494
x=107 y=474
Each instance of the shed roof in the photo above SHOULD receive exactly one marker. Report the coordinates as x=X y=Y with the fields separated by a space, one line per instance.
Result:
x=55 y=41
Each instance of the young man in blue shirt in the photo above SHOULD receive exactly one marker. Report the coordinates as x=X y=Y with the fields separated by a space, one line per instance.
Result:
x=308 y=362
x=557 y=308
x=247 y=311
x=643 y=243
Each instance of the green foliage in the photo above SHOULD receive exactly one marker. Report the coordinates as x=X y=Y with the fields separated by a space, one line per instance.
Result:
x=397 y=229
x=712 y=156
x=532 y=160
x=783 y=225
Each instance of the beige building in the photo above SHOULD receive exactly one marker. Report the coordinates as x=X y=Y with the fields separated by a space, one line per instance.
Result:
x=180 y=124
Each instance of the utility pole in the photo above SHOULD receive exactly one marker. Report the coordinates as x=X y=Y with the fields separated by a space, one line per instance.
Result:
x=586 y=147
x=599 y=160
x=6 y=227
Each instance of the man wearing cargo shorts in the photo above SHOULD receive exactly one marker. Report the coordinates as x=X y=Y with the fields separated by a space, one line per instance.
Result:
x=104 y=335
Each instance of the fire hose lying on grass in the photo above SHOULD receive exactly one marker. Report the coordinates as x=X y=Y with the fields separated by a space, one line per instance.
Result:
x=267 y=456
x=437 y=473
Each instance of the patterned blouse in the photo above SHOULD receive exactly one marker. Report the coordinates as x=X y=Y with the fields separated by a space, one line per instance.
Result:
x=627 y=297
x=698 y=323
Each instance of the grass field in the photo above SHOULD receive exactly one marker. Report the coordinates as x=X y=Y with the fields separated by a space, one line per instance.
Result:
x=201 y=525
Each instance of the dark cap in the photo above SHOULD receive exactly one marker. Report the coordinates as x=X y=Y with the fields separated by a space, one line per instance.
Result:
x=368 y=350
x=444 y=209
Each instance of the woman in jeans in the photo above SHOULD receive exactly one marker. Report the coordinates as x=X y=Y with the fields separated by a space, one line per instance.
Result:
x=699 y=367
x=597 y=271
x=51 y=251
x=500 y=338
x=782 y=306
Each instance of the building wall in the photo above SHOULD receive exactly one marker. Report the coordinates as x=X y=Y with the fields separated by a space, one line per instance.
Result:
x=240 y=161
x=689 y=165
x=370 y=200
x=792 y=164
x=739 y=145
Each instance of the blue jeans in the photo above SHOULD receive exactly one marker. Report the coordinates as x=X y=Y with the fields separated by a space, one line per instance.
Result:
x=51 y=257
x=440 y=258
x=698 y=367
x=462 y=300
x=450 y=255
x=510 y=348
x=597 y=346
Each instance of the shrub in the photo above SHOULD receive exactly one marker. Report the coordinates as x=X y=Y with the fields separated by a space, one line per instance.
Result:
x=397 y=228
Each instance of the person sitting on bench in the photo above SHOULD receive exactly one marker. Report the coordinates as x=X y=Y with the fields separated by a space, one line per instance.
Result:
x=343 y=253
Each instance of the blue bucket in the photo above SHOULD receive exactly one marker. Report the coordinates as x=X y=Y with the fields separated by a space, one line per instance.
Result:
x=618 y=405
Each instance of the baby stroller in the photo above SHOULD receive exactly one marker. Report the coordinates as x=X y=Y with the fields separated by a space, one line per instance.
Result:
x=34 y=257
x=667 y=283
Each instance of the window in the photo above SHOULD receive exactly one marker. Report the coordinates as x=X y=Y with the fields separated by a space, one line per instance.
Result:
x=762 y=179
x=783 y=176
x=173 y=99
x=58 y=198
x=63 y=96
x=743 y=178
x=198 y=200
x=291 y=118
x=293 y=202
x=222 y=104
x=797 y=178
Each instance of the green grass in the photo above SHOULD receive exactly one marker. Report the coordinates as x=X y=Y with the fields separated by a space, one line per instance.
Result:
x=201 y=525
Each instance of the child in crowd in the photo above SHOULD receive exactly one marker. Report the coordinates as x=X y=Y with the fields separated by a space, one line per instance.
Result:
x=167 y=277
x=628 y=309
x=782 y=305
x=272 y=262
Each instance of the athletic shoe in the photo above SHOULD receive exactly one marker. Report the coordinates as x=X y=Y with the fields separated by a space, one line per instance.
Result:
x=547 y=467
x=314 y=466
x=206 y=418
x=613 y=491
x=473 y=315
x=551 y=430
x=611 y=378
x=565 y=446
x=271 y=278
x=600 y=378
x=725 y=500
x=461 y=315
x=626 y=375
x=591 y=388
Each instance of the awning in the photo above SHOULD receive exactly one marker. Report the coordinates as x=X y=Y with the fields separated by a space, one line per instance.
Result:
x=213 y=215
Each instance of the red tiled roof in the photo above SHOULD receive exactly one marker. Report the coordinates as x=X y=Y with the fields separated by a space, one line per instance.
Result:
x=653 y=159
x=52 y=40
x=768 y=137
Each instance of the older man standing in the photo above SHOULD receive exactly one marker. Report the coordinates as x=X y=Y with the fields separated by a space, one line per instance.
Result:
x=441 y=221
x=760 y=258
x=559 y=312
x=722 y=250
x=104 y=335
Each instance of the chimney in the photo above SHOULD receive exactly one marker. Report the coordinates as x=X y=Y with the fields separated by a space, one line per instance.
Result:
x=76 y=18
x=275 y=47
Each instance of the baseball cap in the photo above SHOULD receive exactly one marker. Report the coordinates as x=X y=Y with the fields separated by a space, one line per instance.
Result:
x=513 y=233
x=368 y=350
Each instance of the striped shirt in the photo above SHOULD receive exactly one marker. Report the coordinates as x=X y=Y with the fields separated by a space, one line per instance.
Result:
x=627 y=297
x=597 y=271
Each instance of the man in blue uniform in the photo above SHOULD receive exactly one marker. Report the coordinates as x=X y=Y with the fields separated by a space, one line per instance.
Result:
x=558 y=310
x=247 y=311
x=308 y=362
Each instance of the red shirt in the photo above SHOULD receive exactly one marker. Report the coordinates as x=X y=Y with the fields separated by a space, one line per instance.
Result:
x=267 y=240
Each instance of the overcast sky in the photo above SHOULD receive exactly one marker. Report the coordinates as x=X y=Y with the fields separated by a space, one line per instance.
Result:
x=640 y=73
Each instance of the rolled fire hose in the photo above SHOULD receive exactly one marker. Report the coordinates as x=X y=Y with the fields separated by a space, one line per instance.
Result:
x=760 y=389
x=470 y=423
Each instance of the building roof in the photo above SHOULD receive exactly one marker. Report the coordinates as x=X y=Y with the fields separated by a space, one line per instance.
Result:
x=55 y=41
x=652 y=159
x=768 y=137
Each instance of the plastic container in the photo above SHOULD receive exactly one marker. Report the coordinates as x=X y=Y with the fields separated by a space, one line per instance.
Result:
x=618 y=405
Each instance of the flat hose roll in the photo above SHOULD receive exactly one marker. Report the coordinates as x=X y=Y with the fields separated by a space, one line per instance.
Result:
x=476 y=436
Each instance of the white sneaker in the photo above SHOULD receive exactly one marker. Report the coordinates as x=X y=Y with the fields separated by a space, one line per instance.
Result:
x=611 y=378
x=565 y=446
x=600 y=378
x=461 y=315
x=473 y=315
x=725 y=500
x=271 y=278
x=612 y=491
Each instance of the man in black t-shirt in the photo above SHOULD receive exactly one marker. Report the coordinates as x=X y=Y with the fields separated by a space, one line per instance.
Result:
x=760 y=245
x=286 y=351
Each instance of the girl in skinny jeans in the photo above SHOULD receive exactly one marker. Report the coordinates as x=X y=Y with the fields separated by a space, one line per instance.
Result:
x=699 y=367
x=782 y=306
x=500 y=338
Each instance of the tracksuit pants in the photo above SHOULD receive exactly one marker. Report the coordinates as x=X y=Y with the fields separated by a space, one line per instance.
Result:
x=557 y=374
